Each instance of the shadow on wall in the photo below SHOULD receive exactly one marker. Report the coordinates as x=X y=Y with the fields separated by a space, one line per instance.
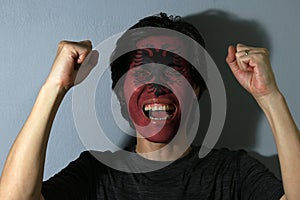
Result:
x=221 y=29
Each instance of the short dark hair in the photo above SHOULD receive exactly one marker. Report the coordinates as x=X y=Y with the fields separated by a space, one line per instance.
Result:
x=120 y=62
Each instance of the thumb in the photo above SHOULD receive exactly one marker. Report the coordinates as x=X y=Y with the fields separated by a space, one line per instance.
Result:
x=87 y=66
x=231 y=59
x=83 y=45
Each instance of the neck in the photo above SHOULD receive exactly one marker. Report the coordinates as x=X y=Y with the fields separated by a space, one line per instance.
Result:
x=162 y=151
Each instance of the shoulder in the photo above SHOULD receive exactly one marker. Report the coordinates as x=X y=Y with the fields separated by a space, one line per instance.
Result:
x=223 y=154
x=225 y=161
x=94 y=157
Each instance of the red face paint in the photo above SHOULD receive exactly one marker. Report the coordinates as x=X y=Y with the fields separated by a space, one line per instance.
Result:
x=149 y=90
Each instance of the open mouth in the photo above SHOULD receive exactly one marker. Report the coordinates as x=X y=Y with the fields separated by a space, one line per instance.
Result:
x=159 y=112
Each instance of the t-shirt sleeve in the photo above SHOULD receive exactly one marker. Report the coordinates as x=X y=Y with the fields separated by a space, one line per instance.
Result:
x=73 y=182
x=257 y=182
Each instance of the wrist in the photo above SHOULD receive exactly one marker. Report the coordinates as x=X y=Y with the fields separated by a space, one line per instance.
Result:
x=53 y=92
x=54 y=88
x=270 y=101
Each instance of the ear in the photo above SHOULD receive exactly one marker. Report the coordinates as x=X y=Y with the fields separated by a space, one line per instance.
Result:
x=196 y=90
x=120 y=96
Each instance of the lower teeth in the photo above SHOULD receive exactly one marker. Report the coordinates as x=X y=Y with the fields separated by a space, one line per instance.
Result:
x=158 y=118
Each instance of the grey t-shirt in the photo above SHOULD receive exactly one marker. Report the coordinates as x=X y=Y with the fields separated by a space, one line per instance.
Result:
x=222 y=174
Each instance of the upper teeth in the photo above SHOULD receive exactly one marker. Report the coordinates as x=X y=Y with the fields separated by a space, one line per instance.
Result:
x=158 y=107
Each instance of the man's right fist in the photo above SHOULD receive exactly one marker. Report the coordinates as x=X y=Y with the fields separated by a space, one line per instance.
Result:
x=69 y=57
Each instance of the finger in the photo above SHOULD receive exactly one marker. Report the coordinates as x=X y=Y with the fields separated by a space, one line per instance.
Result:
x=84 y=48
x=230 y=54
x=77 y=50
x=242 y=51
x=242 y=47
x=242 y=63
x=253 y=59
x=231 y=58
x=86 y=43
x=240 y=54
x=87 y=66
x=245 y=56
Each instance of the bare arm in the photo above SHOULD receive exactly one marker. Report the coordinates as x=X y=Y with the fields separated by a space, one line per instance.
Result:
x=287 y=140
x=23 y=171
x=253 y=71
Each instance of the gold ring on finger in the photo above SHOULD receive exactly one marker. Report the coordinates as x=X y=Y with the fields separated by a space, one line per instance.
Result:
x=247 y=52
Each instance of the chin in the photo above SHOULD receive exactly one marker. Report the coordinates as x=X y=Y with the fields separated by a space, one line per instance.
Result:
x=162 y=132
x=161 y=137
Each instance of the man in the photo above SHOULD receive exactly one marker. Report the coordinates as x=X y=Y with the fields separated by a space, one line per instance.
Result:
x=158 y=99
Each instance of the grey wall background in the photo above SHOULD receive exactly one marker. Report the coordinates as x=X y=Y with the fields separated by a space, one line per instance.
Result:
x=30 y=31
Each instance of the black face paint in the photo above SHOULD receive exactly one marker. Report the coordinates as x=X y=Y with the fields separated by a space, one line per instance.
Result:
x=143 y=73
x=158 y=89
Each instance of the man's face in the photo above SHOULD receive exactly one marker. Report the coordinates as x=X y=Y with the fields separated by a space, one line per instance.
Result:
x=153 y=79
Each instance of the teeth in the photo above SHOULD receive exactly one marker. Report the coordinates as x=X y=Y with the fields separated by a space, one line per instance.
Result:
x=163 y=118
x=158 y=107
x=150 y=110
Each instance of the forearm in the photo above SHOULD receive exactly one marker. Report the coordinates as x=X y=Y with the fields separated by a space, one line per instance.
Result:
x=287 y=140
x=23 y=171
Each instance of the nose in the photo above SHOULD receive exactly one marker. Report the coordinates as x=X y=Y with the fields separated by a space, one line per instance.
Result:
x=158 y=89
x=158 y=73
x=156 y=70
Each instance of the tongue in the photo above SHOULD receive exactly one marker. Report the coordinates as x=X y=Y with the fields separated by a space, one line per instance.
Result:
x=158 y=114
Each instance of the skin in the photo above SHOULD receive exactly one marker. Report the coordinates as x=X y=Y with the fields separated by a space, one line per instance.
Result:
x=153 y=135
x=254 y=73
x=25 y=161
x=139 y=90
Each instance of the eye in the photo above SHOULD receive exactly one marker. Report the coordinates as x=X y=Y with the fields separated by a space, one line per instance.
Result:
x=170 y=75
x=141 y=75
x=181 y=66
x=172 y=71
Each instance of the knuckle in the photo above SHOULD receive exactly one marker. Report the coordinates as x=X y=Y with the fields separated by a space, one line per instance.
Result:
x=62 y=43
x=67 y=45
x=267 y=52
x=259 y=56
x=86 y=44
x=83 y=47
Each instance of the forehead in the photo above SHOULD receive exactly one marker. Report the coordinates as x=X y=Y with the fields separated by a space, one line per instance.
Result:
x=161 y=42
